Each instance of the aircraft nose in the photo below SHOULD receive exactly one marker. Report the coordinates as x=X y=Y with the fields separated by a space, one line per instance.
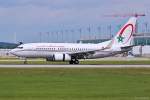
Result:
x=12 y=52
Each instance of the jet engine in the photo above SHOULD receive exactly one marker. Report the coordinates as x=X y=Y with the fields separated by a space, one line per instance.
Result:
x=59 y=57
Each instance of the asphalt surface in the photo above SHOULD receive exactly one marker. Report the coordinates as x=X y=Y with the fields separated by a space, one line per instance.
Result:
x=74 y=66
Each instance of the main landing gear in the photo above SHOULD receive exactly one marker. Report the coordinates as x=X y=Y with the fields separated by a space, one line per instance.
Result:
x=74 y=61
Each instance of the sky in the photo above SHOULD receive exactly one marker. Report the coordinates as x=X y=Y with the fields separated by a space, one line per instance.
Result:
x=27 y=20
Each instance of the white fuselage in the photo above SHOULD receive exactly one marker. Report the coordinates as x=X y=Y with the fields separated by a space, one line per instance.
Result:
x=43 y=50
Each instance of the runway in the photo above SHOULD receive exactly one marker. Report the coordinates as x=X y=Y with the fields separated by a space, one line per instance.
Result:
x=74 y=66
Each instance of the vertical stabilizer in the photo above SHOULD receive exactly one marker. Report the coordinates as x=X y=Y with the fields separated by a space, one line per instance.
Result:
x=125 y=35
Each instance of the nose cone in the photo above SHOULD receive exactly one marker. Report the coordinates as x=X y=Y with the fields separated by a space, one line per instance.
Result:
x=12 y=52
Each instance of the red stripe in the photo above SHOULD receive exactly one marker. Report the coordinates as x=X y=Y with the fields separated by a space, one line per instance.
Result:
x=124 y=28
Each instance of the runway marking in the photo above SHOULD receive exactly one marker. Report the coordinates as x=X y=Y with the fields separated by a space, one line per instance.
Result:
x=74 y=66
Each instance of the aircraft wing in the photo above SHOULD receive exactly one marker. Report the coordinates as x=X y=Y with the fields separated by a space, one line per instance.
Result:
x=84 y=54
x=102 y=52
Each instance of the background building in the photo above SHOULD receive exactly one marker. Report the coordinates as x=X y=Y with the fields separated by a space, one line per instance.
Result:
x=5 y=48
x=139 y=39
x=143 y=39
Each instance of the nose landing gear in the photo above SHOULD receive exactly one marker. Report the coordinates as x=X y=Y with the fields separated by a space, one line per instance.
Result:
x=24 y=60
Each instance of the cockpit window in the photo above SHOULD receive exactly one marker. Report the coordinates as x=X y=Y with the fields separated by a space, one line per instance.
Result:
x=20 y=47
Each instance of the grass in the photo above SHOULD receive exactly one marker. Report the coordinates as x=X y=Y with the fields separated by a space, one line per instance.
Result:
x=86 y=62
x=75 y=84
x=122 y=62
x=112 y=61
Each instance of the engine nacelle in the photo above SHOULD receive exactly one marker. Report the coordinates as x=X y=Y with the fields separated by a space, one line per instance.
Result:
x=50 y=58
x=59 y=57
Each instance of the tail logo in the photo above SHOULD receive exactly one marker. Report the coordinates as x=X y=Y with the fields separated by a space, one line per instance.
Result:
x=126 y=33
x=120 y=38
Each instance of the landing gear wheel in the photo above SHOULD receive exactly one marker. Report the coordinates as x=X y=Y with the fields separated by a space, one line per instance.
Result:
x=71 y=62
x=74 y=62
x=25 y=61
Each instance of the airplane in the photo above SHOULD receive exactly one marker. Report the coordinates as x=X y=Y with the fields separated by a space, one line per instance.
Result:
x=73 y=52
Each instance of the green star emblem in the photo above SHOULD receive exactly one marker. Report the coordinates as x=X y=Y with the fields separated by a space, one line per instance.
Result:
x=120 y=38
